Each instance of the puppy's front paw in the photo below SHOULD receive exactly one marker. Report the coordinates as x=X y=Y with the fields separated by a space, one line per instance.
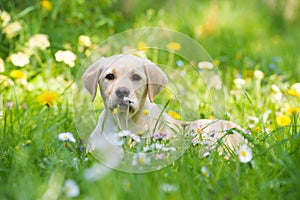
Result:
x=90 y=147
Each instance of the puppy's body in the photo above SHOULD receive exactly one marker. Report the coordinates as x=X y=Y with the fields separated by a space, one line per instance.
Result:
x=128 y=85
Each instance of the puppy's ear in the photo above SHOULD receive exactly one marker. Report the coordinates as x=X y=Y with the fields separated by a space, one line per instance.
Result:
x=91 y=77
x=156 y=79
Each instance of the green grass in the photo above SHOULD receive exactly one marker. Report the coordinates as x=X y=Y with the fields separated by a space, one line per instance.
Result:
x=247 y=36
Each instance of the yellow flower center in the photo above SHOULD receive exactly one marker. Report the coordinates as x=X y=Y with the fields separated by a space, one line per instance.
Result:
x=199 y=130
x=46 y=4
x=115 y=111
x=146 y=112
x=140 y=133
x=244 y=153
x=174 y=46
x=141 y=160
x=142 y=46
x=205 y=173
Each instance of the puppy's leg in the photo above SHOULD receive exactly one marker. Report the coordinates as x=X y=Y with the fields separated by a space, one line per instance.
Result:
x=213 y=131
x=92 y=140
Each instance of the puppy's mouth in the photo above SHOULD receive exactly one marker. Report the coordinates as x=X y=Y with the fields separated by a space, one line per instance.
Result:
x=126 y=104
x=123 y=106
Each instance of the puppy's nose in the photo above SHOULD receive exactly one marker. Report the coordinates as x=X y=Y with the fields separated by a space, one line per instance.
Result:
x=122 y=92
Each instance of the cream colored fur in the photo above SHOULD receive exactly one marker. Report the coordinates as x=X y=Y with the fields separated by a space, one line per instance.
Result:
x=126 y=69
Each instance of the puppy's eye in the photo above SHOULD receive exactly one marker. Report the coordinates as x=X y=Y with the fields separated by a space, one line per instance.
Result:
x=110 y=77
x=136 y=77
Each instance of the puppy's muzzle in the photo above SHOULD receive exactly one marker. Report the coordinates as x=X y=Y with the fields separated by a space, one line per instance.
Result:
x=123 y=102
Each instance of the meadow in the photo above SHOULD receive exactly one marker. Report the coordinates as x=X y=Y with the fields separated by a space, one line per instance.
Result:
x=45 y=45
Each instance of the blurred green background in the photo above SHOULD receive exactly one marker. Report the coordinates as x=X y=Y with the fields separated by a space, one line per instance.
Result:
x=266 y=32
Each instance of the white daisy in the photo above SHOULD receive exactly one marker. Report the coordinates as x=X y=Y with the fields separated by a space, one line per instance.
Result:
x=204 y=171
x=66 y=57
x=66 y=137
x=140 y=158
x=169 y=188
x=245 y=154
x=39 y=41
x=156 y=146
x=239 y=82
x=12 y=29
x=196 y=140
x=124 y=133
x=2 y=67
x=215 y=82
x=296 y=87
x=205 y=65
x=71 y=188
x=259 y=75
x=19 y=59
x=135 y=138
x=169 y=149
x=84 y=41
x=96 y=172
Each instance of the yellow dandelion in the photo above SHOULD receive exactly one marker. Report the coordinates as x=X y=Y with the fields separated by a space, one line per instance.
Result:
x=257 y=129
x=17 y=74
x=142 y=46
x=173 y=46
x=295 y=90
x=216 y=62
x=211 y=117
x=47 y=5
x=174 y=114
x=47 y=98
x=291 y=110
x=283 y=120
x=27 y=142
x=146 y=112
x=140 y=133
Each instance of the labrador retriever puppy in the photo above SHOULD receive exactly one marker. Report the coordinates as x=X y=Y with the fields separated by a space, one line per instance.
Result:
x=128 y=85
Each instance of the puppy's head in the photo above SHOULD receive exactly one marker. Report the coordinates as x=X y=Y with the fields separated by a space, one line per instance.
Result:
x=125 y=81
